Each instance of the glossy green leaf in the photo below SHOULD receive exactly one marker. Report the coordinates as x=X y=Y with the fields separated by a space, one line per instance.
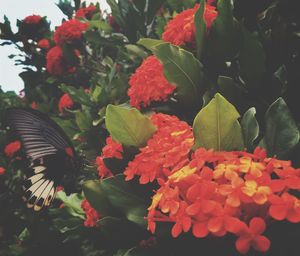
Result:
x=128 y=126
x=124 y=197
x=72 y=203
x=149 y=43
x=83 y=120
x=216 y=126
x=200 y=29
x=281 y=133
x=184 y=70
x=250 y=128
x=224 y=39
x=96 y=196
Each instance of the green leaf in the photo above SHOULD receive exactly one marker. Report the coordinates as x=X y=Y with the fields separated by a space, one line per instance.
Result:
x=99 y=24
x=179 y=5
x=96 y=196
x=72 y=203
x=200 y=28
x=185 y=71
x=78 y=95
x=115 y=11
x=252 y=59
x=149 y=43
x=128 y=126
x=216 y=126
x=125 y=197
x=117 y=195
x=282 y=133
x=225 y=36
x=136 y=50
x=250 y=128
x=83 y=120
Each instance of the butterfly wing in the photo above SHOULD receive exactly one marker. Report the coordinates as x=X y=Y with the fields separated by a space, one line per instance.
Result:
x=40 y=135
x=47 y=148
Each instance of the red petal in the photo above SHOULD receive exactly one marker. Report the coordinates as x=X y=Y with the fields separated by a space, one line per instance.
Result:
x=278 y=212
x=261 y=244
x=215 y=224
x=293 y=215
x=193 y=209
x=208 y=206
x=176 y=230
x=257 y=226
x=243 y=244
x=234 y=225
x=200 y=229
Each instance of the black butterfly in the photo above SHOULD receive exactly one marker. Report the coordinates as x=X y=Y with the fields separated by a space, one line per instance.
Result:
x=49 y=151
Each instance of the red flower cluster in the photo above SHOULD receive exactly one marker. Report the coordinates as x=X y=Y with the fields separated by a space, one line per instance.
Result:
x=2 y=171
x=112 y=149
x=69 y=31
x=44 y=44
x=148 y=84
x=167 y=150
x=181 y=29
x=32 y=19
x=92 y=216
x=228 y=192
x=86 y=12
x=56 y=61
x=12 y=148
x=65 y=102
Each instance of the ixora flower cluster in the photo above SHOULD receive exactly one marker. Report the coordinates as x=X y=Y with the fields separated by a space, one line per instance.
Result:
x=209 y=192
x=70 y=32
x=217 y=193
x=148 y=84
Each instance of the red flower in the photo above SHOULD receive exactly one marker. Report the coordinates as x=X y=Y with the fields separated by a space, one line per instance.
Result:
x=112 y=149
x=32 y=19
x=44 y=44
x=181 y=29
x=92 y=216
x=86 y=12
x=34 y=105
x=12 y=148
x=285 y=207
x=148 y=84
x=251 y=237
x=167 y=149
x=69 y=31
x=56 y=64
x=65 y=102
x=2 y=171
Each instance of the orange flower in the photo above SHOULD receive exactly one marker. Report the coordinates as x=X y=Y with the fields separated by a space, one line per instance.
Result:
x=112 y=149
x=251 y=237
x=44 y=44
x=259 y=194
x=181 y=29
x=65 y=102
x=285 y=207
x=92 y=216
x=12 y=148
x=32 y=19
x=86 y=12
x=167 y=149
x=69 y=32
x=249 y=166
x=2 y=171
x=56 y=63
x=148 y=84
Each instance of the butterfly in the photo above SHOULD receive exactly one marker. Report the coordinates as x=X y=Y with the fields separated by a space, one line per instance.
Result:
x=49 y=151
